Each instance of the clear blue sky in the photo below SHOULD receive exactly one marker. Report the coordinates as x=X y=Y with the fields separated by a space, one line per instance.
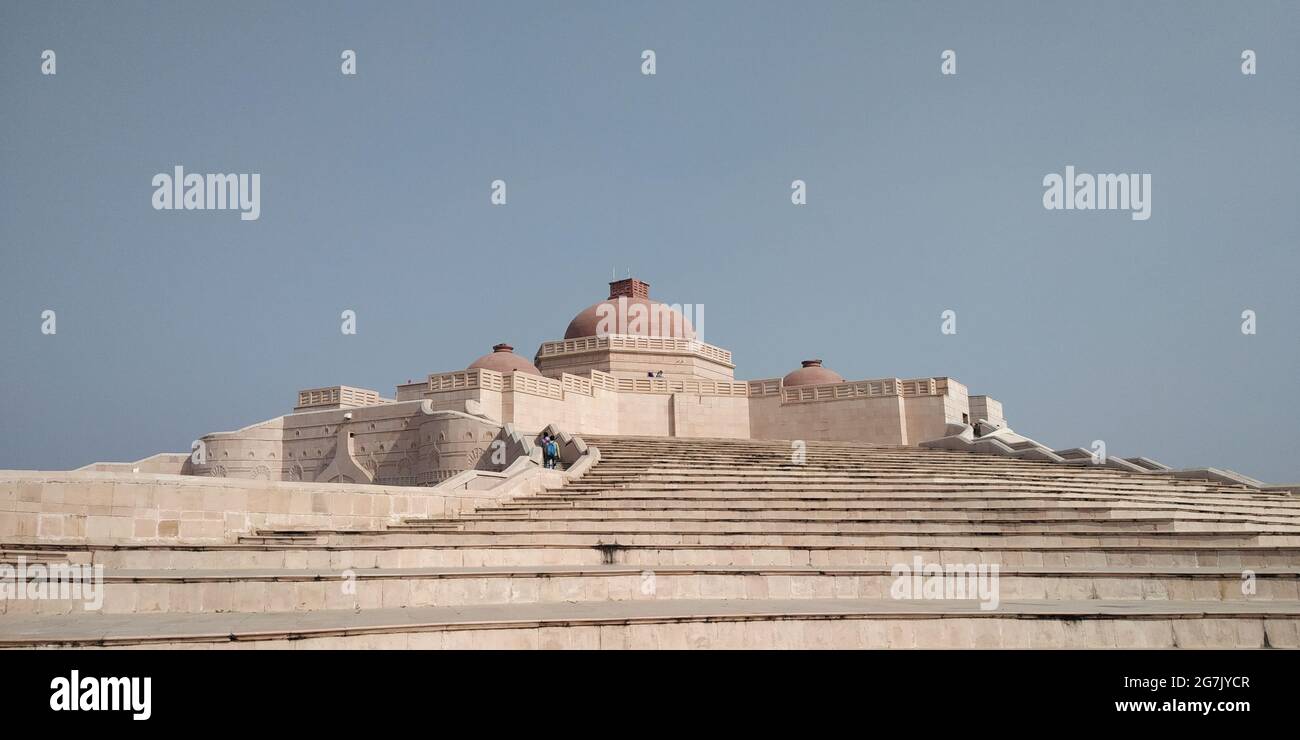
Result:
x=925 y=194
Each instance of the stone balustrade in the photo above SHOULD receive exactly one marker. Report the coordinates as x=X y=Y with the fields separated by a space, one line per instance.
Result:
x=629 y=342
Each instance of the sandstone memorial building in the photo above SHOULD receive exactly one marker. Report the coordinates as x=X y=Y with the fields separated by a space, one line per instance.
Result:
x=689 y=508
x=656 y=380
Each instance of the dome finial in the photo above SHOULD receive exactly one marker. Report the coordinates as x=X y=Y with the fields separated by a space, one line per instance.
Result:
x=629 y=287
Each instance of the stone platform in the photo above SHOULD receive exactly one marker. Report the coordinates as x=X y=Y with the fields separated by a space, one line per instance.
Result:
x=726 y=544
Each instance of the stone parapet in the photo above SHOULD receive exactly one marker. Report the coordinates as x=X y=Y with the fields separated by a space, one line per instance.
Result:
x=336 y=397
x=633 y=343
x=97 y=507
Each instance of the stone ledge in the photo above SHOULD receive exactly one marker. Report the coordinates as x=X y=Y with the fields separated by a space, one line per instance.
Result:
x=158 y=630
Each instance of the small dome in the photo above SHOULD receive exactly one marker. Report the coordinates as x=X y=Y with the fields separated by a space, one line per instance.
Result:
x=812 y=373
x=503 y=360
x=652 y=319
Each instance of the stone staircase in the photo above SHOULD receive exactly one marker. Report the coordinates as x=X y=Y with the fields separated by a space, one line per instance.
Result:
x=671 y=542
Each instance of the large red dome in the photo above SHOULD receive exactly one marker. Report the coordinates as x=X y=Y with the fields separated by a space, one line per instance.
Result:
x=629 y=310
x=643 y=317
x=504 y=360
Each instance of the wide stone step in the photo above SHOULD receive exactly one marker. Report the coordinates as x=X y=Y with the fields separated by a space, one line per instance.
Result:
x=904 y=462
x=816 y=483
x=949 y=482
x=952 y=490
x=904 y=483
x=644 y=452
x=790 y=538
x=587 y=510
x=887 y=508
x=985 y=466
x=652 y=452
x=686 y=524
x=640 y=492
x=465 y=554
x=665 y=623
x=955 y=498
x=268 y=591
x=1055 y=474
x=1059 y=473
x=530 y=509
x=931 y=492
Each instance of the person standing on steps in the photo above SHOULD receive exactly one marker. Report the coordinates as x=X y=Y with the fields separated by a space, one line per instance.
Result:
x=546 y=450
x=553 y=448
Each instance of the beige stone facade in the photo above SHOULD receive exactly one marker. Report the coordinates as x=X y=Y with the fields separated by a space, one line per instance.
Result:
x=671 y=384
